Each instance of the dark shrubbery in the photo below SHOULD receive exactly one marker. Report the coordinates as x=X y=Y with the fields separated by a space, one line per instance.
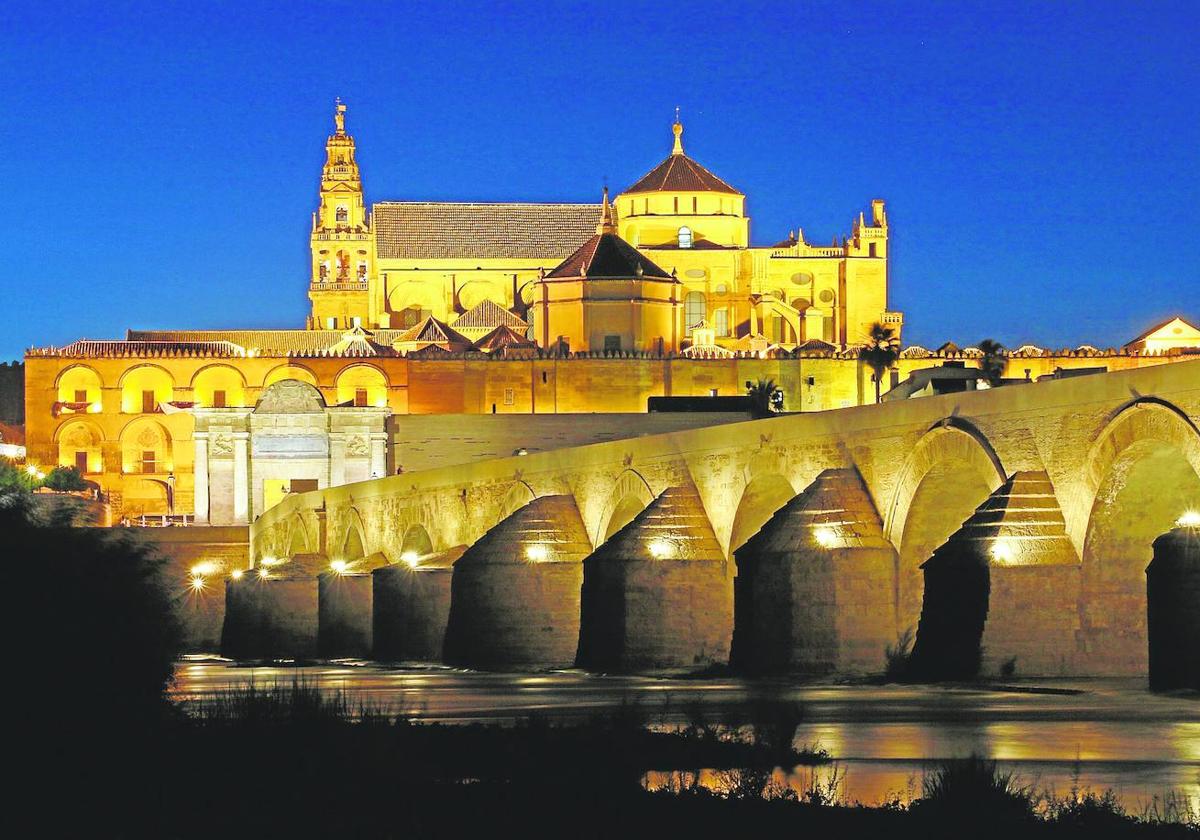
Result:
x=65 y=480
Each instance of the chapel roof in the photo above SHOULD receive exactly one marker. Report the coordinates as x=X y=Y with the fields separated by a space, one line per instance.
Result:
x=450 y=230
x=488 y=314
x=430 y=330
x=501 y=337
x=607 y=255
x=679 y=173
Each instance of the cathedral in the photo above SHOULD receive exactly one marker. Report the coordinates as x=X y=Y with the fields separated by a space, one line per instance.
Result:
x=670 y=255
x=549 y=318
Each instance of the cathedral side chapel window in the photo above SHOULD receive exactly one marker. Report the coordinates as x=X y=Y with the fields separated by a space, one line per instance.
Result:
x=685 y=237
x=721 y=321
x=695 y=309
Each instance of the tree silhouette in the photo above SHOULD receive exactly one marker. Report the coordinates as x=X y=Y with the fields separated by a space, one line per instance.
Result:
x=880 y=352
x=765 y=397
x=992 y=363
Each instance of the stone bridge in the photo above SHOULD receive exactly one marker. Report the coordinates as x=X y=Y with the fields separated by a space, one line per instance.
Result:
x=792 y=543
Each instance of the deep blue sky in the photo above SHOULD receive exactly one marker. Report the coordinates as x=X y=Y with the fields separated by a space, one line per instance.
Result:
x=1040 y=161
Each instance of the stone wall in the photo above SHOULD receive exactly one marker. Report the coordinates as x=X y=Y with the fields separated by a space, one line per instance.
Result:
x=201 y=610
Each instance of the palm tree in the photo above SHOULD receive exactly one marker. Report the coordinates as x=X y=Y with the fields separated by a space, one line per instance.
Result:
x=992 y=363
x=880 y=352
x=763 y=399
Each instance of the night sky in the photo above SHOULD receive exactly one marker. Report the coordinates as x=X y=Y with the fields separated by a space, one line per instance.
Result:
x=1041 y=162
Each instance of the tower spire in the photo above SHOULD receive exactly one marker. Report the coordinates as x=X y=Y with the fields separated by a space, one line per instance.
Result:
x=677 y=129
x=606 y=219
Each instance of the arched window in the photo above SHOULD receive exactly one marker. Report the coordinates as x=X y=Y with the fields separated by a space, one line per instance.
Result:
x=695 y=309
x=685 y=237
x=721 y=322
x=343 y=213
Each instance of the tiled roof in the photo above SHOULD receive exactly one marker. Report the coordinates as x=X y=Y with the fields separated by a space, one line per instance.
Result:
x=501 y=337
x=433 y=230
x=89 y=348
x=679 y=173
x=488 y=314
x=263 y=342
x=431 y=331
x=607 y=255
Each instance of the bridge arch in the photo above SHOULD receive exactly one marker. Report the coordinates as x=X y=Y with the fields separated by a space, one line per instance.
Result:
x=1141 y=475
x=630 y=495
x=952 y=469
x=354 y=544
x=519 y=495
x=298 y=541
x=763 y=495
x=415 y=543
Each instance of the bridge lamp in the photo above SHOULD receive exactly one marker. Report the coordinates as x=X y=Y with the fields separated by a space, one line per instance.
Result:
x=197 y=583
x=825 y=536
x=536 y=553
x=32 y=470
x=264 y=573
x=338 y=567
x=660 y=549
x=1004 y=552
x=411 y=558
x=1191 y=519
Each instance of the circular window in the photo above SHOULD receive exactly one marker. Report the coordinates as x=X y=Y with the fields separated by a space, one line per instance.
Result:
x=826 y=295
x=721 y=289
x=802 y=279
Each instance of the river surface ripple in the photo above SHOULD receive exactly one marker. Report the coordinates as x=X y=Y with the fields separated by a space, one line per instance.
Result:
x=1054 y=734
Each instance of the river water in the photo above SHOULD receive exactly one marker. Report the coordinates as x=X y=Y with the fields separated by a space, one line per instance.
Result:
x=1096 y=734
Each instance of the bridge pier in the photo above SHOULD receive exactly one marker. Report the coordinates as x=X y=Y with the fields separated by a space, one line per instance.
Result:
x=815 y=585
x=1173 y=610
x=659 y=593
x=412 y=607
x=1002 y=594
x=345 y=607
x=273 y=617
x=515 y=593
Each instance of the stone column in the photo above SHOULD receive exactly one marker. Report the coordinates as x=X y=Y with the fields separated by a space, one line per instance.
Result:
x=200 y=474
x=379 y=465
x=337 y=459
x=241 y=477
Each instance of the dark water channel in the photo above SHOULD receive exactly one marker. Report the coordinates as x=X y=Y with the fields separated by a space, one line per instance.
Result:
x=1099 y=733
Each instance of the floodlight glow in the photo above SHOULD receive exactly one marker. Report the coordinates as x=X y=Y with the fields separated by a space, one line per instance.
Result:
x=1003 y=552
x=826 y=537
x=206 y=568
x=236 y=574
x=270 y=561
x=411 y=558
x=536 y=553
x=659 y=549
x=198 y=583
x=1191 y=519
x=264 y=573
x=338 y=566
x=32 y=469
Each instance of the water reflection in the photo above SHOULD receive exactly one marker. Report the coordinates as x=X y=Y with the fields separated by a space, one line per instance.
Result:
x=1101 y=734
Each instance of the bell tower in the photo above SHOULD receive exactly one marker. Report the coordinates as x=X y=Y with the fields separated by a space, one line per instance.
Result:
x=342 y=246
